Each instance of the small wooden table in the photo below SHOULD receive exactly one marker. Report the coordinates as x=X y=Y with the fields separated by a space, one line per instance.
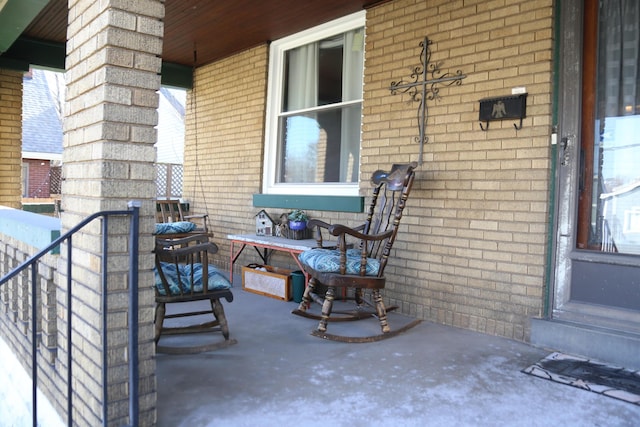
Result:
x=266 y=245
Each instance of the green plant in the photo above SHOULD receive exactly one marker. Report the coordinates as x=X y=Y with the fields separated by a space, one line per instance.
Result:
x=298 y=215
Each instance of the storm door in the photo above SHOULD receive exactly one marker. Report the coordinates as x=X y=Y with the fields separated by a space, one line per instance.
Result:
x=597 y=259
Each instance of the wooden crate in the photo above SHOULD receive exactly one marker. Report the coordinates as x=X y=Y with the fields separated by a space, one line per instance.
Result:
x=274 y=282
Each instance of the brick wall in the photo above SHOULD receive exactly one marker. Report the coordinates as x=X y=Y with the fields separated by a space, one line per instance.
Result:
x=15 y=319
x=223 y=158
x=476 y=224
x=10 y=137
x=471 y=249
x=113 y=65
x=39 y=181
x=224 y=143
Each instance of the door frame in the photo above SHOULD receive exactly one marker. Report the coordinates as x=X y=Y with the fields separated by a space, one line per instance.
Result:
x=570 y=30
x=563 y=245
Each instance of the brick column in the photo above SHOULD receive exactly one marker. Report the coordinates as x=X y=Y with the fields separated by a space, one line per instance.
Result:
x=10 y=138
x=113 y=66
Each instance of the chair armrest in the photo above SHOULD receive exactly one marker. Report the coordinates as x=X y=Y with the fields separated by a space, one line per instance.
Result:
x=209 y=247
x=321 y=224
x=198 y=216
x=200 y=220
x=317 y=223
x=185 y=246
x=178 y=255
x=183 y=240
x=316 y=226
x=339 y=230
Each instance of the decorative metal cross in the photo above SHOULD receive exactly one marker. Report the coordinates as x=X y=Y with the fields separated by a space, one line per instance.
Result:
x=426 y=79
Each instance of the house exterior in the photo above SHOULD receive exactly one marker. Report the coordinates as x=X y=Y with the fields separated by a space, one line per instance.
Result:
x=500 y=233
x=170 y=145
x=41 y=135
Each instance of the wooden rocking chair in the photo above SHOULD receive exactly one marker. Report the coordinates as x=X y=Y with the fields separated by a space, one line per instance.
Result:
x=359 y=262
x=171 y=221
x=183 y=274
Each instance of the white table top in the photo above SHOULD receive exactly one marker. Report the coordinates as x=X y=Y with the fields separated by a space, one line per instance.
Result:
x=279 y=242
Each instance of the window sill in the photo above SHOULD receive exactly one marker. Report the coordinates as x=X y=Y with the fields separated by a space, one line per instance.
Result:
x=314 y=203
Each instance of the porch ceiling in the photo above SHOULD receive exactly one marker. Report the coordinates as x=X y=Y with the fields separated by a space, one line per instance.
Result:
x=212 y=29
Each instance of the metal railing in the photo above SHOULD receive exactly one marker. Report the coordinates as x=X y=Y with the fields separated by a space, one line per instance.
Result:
x=133 y=211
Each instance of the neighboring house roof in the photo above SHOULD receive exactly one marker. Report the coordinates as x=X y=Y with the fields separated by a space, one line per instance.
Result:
x=41 y=123
x=42 y=126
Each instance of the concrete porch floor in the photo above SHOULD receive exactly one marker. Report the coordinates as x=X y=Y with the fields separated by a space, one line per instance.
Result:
x=432 y=375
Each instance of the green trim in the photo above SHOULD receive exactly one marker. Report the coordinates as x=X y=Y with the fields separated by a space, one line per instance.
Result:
x=15 y=16
x=38 y=52
x=39 y=208
x=26 y=51
x=312 y=203
x=177 y=75
x=13 y=64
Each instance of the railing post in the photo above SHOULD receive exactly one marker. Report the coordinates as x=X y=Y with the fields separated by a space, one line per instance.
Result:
x=134 y=234
x=34 y=345
x=133 y=328
x=69 y=331
x=105 y=298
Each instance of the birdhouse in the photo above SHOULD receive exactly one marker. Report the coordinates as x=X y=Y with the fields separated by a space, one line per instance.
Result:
x=264 y=224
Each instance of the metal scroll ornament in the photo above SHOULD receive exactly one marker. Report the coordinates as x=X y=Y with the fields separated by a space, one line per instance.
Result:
x=424 y=85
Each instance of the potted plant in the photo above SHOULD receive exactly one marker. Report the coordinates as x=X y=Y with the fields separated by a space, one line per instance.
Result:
x=297 y=219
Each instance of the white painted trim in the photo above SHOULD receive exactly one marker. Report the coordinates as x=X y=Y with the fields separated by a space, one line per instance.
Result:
x=41 y=156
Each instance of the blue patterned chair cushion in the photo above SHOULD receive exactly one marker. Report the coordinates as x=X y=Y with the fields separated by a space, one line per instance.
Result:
x=328 y=261
x=216 y=279
x=174 y=227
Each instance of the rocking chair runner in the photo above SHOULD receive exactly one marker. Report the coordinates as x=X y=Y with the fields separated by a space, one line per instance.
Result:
x=183 y=274
x=361 y=265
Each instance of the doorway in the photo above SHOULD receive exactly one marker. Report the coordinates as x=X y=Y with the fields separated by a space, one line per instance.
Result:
x=597 y=253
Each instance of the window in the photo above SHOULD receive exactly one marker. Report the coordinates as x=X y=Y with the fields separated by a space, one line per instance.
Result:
x=314 y=109
x=25 y=179
x=609 y=188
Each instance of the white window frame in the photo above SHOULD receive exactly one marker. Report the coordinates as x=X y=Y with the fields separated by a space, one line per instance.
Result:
x=274 y=101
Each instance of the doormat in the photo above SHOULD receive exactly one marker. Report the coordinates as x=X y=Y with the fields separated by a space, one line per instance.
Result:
x=619 y=383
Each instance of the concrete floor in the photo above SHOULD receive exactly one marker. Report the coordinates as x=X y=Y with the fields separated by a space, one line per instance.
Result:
x=432 y=375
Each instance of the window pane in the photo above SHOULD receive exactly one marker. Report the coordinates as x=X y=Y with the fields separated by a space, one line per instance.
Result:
x=327 y=72
x=615 y=194
x=301 y=78
x=330 y=70
x=314 y=74
x=320 y=146
x=618 y=195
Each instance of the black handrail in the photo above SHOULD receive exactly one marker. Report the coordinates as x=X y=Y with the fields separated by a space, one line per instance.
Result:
x=134 y=232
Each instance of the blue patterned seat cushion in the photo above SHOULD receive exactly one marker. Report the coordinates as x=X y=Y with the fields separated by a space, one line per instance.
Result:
x=328 y=261
x=174 y=227
x=216 y=279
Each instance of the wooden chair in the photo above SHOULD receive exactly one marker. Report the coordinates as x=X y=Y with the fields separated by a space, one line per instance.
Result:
x=359 y=262
x=183 y=274
x=171 y=219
